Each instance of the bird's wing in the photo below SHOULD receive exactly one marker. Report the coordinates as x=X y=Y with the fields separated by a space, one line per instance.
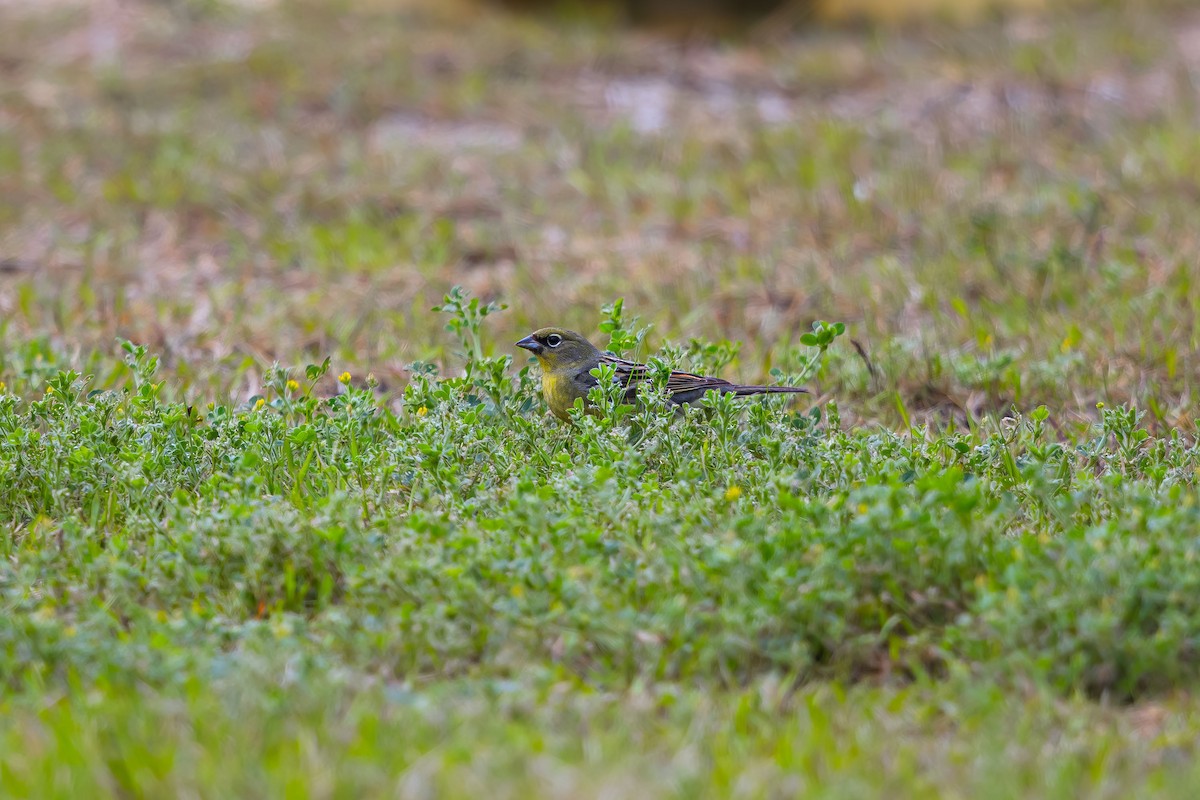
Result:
x=685 y=382
x=679 y=384
x=629 y=373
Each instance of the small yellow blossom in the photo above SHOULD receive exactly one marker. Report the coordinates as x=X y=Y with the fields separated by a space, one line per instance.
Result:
x=3 y=386
x=1100 y=404
x=517 y=590
x=259 y=404
x=1071 y=341
x=422 y=411
x=49 y=390
x=733 y=493
x=292 y=386
x=344 y=378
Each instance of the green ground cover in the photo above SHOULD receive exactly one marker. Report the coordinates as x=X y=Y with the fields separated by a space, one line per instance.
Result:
x=274 y=525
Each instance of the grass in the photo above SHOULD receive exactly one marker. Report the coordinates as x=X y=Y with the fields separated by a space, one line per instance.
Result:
x=282 y=515
x=457 y=741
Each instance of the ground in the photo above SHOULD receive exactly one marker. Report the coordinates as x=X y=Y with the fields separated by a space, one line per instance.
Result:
x=276 y=525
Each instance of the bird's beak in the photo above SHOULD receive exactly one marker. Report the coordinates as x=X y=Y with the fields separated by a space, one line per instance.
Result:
x=530 y=344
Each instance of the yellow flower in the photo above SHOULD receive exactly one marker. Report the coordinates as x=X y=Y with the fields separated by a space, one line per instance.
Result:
x=292 y=386
x=259 y=404
x=733 y=493
x=344 y=378
x=422 y=411
x=49 y=390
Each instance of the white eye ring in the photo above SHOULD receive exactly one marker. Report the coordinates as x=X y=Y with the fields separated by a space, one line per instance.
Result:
x=554 y=340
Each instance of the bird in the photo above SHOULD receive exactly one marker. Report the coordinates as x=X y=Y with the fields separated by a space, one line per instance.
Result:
x=568 y=358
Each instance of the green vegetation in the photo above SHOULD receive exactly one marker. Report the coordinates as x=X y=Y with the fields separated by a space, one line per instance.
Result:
x=297 y=534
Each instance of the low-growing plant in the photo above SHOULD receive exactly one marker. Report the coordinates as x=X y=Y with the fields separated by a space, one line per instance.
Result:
x=468 y=531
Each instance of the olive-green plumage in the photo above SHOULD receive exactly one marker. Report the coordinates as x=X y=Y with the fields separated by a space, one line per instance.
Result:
x=567 y=360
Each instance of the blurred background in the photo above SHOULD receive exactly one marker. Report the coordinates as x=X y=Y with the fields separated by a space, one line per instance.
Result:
x=683 y=14
x=996 y=197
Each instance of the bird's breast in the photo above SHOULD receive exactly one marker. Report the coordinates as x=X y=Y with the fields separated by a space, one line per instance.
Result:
x=560 y=392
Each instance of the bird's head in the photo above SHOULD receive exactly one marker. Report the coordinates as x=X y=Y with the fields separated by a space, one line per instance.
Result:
x=558 y=349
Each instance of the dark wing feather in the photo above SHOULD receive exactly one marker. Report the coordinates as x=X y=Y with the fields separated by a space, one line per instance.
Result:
x=684 y=387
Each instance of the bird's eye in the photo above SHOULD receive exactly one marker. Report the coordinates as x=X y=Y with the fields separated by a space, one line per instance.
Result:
x=554 y=340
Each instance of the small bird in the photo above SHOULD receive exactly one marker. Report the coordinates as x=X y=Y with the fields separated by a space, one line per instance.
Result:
x=567 y=360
